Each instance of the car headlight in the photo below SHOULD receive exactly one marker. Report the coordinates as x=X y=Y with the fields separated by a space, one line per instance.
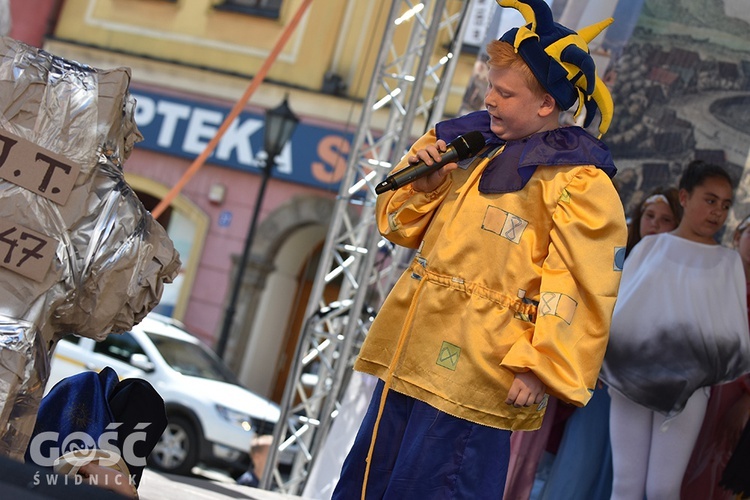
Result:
x=235 y=417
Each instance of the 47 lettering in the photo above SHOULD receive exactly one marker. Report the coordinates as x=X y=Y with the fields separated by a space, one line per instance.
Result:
x=24 y=251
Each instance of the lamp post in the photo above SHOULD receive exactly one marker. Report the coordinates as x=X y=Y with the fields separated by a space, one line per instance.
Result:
x=279 y=126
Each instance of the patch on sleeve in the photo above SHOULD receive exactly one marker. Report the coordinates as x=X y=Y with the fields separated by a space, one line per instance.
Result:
x=392 y=221
x=505 y=224
x=557 y=304
x=619 y=258
x=448 y=356
x=565 y=196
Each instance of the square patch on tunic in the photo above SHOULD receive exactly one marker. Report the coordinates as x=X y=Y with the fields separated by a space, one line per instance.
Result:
x=448 y=357
x=619 y=258
x=393 y=221
x=505 y=224
x=557 y=304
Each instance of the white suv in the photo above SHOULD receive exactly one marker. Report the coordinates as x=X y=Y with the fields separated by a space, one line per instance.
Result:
x=211 y=417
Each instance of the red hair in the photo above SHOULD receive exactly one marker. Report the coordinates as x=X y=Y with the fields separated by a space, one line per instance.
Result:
x=503 y=55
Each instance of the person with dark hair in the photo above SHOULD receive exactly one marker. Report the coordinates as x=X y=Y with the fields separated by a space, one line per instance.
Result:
x=727 y=413
x=509 y=296
x=657 y=213
x=679 y=327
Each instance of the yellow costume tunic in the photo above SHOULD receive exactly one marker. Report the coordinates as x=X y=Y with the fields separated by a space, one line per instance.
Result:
x=502 y=283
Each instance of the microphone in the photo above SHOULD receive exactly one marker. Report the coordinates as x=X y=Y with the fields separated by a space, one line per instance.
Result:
x=462 y=147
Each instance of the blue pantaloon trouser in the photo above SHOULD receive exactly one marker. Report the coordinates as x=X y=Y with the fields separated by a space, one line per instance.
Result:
x=423 y=453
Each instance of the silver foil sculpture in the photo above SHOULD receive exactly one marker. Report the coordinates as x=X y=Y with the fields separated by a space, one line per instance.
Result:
x=79 y=254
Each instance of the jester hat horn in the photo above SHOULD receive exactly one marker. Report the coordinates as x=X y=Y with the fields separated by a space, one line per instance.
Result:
x=560 y=59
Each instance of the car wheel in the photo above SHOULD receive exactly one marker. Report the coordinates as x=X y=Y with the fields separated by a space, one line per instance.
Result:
x=177 y=449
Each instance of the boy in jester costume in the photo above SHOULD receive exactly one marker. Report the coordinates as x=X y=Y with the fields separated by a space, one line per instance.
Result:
x=510 y=294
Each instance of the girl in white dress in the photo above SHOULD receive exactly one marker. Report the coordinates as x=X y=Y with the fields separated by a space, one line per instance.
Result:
x=679 y=326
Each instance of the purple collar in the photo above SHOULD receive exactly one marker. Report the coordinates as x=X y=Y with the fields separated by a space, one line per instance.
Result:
x=511 y=170
x=478 y=120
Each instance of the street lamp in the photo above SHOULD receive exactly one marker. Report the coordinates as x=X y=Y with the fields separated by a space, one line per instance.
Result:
x=279 y=126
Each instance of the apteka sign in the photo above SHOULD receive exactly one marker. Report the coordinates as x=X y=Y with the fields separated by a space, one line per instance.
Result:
x=315 y=156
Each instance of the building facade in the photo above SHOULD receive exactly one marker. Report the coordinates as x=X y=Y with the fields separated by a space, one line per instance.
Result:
x=191 y=62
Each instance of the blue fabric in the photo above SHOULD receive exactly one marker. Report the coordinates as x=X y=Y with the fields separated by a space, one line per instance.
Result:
x=511 y=170
x=582 y=468
x=83 y=405
x=76 y=404
x=550 y=71
x=421 y=452
x=450 y=129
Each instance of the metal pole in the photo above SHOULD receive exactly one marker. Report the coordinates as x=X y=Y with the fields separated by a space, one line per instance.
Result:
x=232 y=306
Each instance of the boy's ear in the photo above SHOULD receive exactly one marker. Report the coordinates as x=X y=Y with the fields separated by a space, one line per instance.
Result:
x=547 y=106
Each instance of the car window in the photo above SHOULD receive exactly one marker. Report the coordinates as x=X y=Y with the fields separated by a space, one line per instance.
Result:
x=73 y=339
x=191 y=359
x=119 y=346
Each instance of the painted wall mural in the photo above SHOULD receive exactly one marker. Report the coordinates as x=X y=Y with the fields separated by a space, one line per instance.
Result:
x=679 y=73
x=681 y=86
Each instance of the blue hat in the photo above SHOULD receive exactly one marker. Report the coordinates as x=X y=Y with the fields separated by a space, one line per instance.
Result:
x=560 y=59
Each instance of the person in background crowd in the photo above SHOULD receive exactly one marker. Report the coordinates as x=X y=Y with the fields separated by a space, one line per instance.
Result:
x=259 y=448
x=679 y=326
x=657 y=213
x=727 y=413
x=582 y=467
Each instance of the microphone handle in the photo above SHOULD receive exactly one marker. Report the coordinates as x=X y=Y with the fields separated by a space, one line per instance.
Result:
x=413 y=172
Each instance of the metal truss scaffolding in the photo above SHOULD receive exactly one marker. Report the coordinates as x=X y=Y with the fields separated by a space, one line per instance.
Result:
x=355 y=257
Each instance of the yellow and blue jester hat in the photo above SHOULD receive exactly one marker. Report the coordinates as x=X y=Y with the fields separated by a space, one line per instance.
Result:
x=560 y=59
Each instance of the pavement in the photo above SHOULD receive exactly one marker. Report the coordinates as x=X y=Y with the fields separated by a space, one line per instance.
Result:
x=204 y=485
x=20 y=481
